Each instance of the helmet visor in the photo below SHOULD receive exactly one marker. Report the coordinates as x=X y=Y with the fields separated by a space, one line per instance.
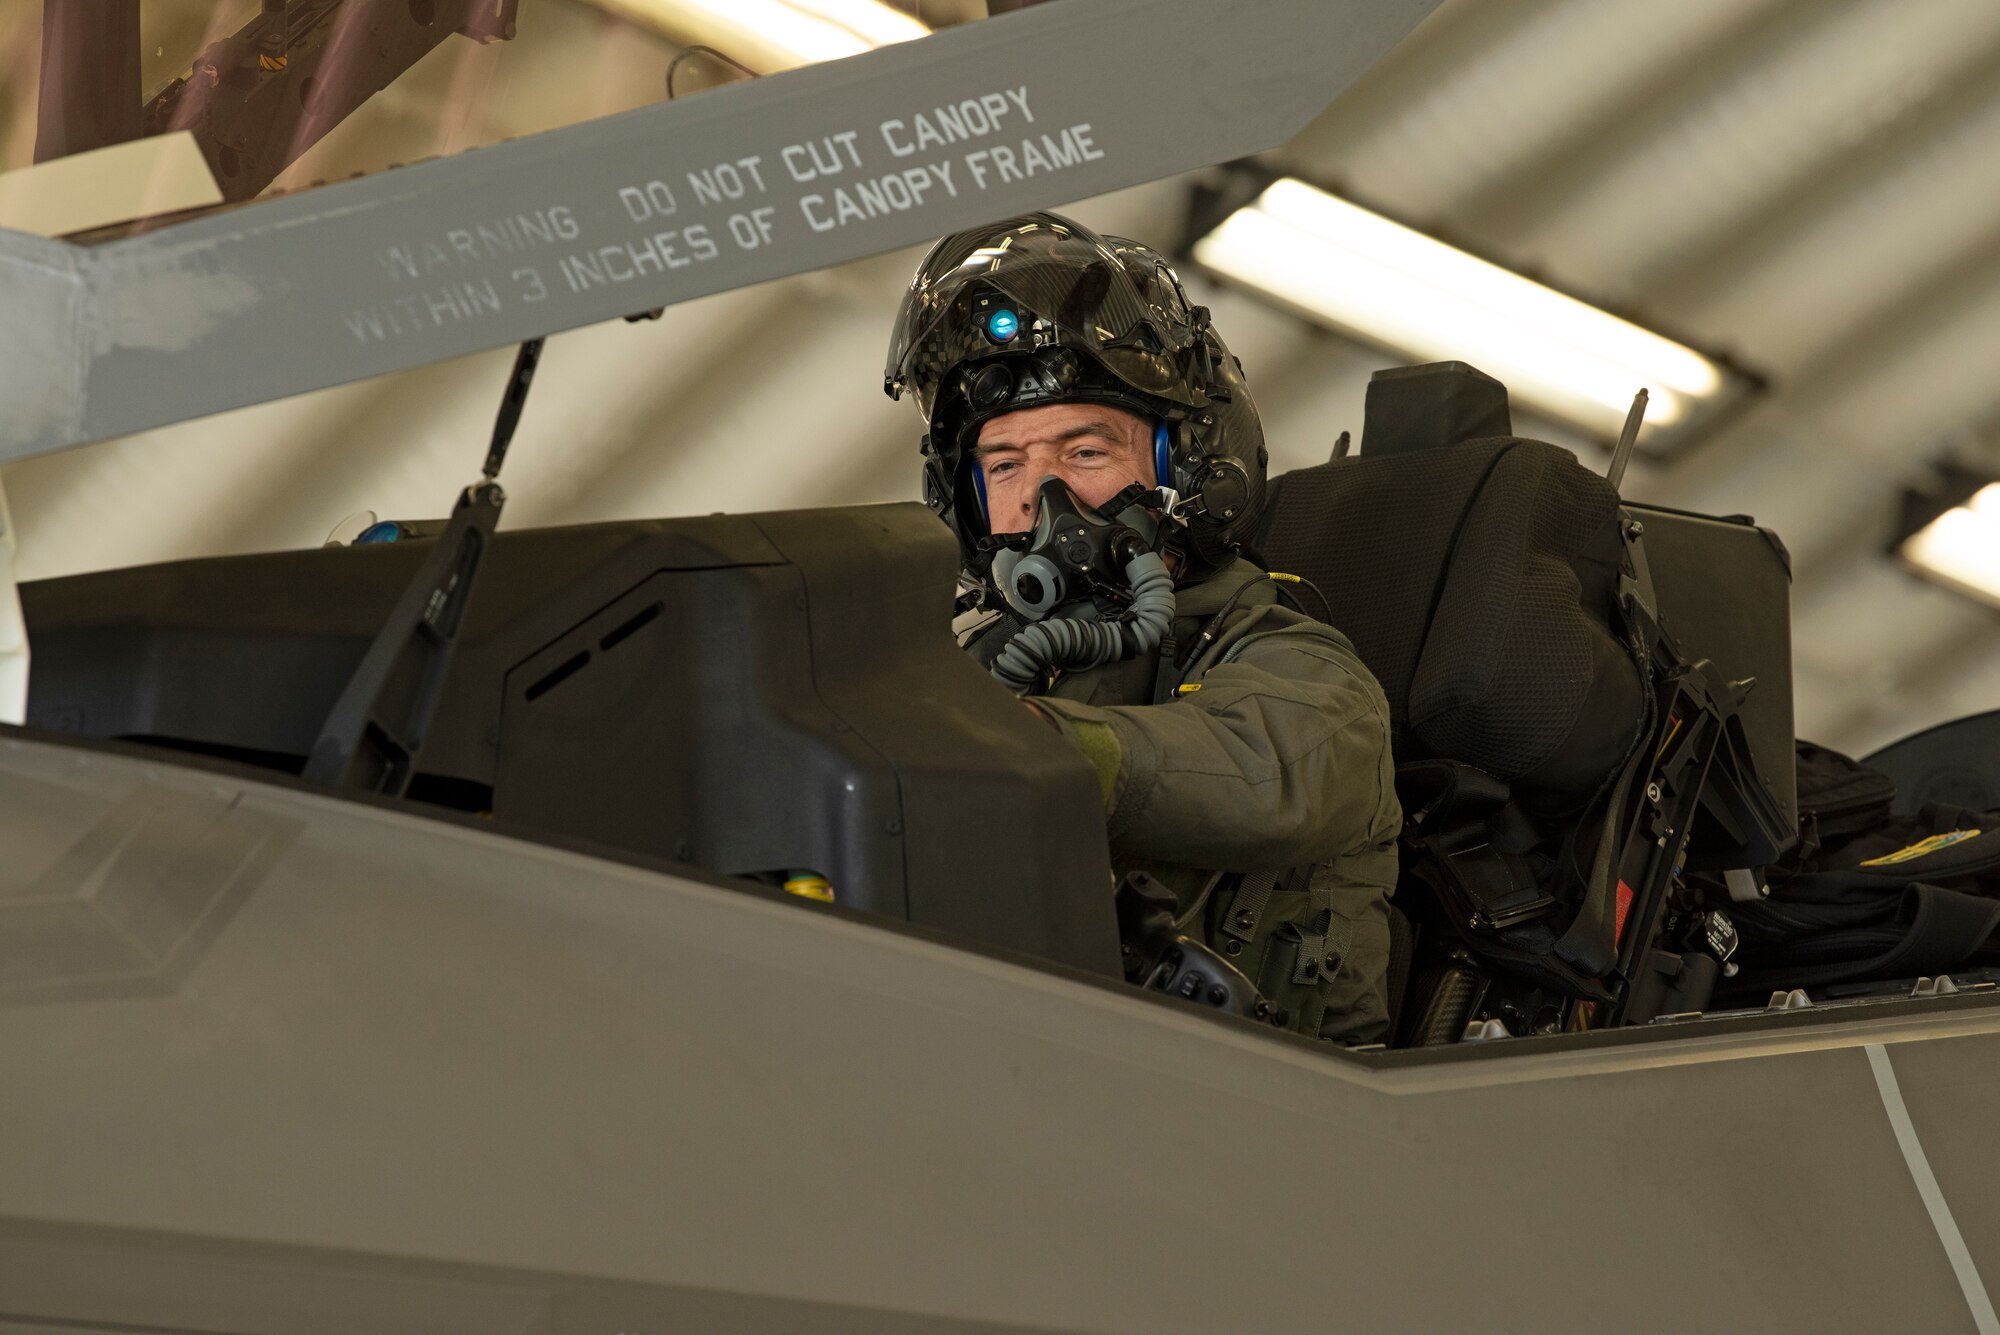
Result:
x=1015 y=286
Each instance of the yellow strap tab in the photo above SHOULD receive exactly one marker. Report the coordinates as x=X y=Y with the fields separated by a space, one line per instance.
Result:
x=1922 y=847
x=1188 y=689
x=1289 y=579
x=810 y=887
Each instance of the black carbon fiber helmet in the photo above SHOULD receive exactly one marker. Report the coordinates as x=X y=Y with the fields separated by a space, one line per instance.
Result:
x=1039 y=310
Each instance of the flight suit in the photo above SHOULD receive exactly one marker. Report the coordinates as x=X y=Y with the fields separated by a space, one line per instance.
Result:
x=1265 y=799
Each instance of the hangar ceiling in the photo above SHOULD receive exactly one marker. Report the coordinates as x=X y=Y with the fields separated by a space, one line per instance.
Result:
x=1810 y=185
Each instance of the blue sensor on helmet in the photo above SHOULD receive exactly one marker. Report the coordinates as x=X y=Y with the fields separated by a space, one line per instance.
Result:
x=1002 y=325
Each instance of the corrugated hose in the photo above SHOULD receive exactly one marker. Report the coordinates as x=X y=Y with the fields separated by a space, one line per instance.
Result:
x=1074 y=645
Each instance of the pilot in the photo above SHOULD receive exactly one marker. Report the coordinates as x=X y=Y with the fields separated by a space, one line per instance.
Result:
x=1095 y=448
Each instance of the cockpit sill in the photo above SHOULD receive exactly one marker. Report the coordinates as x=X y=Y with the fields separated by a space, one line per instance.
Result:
x=1931 y=1008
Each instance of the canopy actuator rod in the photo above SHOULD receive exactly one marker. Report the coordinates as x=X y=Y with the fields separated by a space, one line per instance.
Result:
x=372 y=738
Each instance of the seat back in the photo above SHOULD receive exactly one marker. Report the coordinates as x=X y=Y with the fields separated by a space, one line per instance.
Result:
x=1477 y=581
x=1518 y=622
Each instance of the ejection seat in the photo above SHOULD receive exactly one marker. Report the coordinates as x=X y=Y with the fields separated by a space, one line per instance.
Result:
x=1590 y=702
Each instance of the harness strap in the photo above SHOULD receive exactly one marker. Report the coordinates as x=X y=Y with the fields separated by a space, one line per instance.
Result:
x=1252 y=898
x=1312 y=954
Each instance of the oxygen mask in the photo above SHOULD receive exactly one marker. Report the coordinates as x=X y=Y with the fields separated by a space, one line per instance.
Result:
x=1086 y=580
x=1072 y=554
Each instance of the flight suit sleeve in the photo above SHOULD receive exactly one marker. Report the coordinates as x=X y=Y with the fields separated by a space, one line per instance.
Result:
x=1281 y=758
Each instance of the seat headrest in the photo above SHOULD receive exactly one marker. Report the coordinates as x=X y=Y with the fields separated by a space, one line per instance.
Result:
x=1430 y=406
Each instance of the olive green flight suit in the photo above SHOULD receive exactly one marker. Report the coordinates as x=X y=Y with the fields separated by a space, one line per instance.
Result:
x=1278 y=769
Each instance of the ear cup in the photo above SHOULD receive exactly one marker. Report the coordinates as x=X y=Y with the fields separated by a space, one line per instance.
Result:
x=1163 y=460
x=979 y=493
x=1224 y=488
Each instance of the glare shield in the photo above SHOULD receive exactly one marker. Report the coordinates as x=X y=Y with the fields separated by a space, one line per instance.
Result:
x=1390 y=285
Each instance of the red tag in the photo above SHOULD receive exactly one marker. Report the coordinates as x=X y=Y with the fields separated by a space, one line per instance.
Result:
x=1624 y=907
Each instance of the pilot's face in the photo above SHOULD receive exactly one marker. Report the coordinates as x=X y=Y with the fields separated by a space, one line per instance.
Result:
x=1097 y=451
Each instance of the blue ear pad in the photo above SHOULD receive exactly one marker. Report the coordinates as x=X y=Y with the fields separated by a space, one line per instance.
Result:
x=979 y=489
x=1163 y=463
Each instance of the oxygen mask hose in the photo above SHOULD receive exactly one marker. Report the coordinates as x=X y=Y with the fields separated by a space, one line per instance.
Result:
x=1076 y=644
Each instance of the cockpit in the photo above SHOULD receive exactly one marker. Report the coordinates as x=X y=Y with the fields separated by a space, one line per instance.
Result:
x=602 y=884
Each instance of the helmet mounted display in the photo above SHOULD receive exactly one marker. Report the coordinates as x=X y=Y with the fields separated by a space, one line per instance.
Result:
x=1039 y=310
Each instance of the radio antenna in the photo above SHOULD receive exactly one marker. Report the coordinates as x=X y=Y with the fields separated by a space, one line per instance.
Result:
x=1629 y=437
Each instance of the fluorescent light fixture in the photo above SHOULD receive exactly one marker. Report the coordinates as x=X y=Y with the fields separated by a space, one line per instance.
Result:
x=773 y=35
x=1387 y=284
x=1960 y=549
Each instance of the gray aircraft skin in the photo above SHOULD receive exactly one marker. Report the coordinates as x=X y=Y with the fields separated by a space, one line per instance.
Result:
x=282 y=1062
x=275 y=1059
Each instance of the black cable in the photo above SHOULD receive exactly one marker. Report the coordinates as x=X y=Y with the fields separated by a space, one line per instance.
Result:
x=1209 y=627
x=1324 y=606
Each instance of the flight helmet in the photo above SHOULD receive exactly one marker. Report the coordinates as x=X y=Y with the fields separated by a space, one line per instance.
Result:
x=1039 y=310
